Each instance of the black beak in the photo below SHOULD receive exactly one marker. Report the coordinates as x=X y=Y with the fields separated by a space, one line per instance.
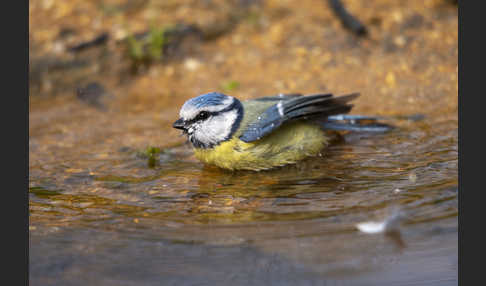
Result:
x=179 y=124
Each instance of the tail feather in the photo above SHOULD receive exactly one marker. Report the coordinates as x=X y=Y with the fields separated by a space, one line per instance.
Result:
x=376 y=127
x=351 y=117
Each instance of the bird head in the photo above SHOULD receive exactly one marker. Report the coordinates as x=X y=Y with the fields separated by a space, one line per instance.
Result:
x=210 y=119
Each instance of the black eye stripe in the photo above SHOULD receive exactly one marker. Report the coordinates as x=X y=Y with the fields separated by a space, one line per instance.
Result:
x=201 y=116
x=206 y=114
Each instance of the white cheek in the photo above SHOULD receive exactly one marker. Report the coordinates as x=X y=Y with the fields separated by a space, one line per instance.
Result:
x=217 y=128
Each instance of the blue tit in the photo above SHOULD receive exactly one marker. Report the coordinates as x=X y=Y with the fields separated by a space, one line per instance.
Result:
x=266 y=132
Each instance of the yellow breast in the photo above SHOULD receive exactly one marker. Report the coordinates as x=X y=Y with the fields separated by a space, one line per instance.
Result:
x=286 y=145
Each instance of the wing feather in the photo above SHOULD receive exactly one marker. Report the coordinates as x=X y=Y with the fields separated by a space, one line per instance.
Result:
x=311 y=107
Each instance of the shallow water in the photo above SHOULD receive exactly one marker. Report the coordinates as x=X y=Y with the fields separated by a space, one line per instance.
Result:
x=123 y=220
x=101 y=214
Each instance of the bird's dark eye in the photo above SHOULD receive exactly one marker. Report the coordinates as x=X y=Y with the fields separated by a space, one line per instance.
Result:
x=202 y=115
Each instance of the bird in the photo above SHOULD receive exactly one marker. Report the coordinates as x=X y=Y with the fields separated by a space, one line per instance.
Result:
x=267 y=132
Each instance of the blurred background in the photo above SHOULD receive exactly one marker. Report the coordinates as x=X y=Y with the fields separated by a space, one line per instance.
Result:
x=116 y=197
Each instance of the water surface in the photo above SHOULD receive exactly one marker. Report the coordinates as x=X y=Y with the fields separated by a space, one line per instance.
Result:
x=103 y=213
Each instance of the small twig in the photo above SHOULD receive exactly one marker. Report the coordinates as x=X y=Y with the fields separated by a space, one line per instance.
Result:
x=99 y=40
x=348 y=20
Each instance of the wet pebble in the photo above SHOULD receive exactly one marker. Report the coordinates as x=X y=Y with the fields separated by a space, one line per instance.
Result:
x=92 y=94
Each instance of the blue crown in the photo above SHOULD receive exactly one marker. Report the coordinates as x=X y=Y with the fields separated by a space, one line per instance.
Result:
x=208 y=99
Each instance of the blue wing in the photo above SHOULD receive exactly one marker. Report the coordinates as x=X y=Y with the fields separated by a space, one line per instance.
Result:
x=293 y=107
